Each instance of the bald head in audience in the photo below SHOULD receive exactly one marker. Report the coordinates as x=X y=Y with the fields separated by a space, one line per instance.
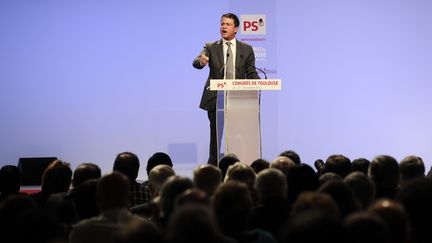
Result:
x=282 y=163
x=84 y=172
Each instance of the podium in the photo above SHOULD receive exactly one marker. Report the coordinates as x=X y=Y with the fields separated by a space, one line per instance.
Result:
x=238 y=115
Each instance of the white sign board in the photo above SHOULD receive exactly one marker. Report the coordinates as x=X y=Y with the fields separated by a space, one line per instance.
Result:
x=245 y=84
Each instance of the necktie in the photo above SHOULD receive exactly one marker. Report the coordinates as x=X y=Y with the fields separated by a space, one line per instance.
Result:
x=229 y=63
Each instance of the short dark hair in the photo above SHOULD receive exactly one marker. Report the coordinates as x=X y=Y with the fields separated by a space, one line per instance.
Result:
x=10 y=177
x=128 y=164
x=360 y=164
x=384 y=172
x=112 y=191
x=226 y=161
x=259 y=165
x=292 y=155
x=158 y=158
x=411 y=167
x=232 y=16
x=339 y=164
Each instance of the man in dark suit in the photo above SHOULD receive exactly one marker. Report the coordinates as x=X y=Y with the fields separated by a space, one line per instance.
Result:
x=227 y=58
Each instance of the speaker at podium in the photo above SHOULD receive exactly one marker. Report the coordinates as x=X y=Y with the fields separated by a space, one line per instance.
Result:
x=238 y=116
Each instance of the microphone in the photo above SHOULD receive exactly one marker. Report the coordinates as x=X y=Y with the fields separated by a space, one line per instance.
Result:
x=259 y=69
x=319 y=165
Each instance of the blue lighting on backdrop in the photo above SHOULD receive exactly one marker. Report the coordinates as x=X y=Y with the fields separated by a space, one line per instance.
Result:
x=85 y=80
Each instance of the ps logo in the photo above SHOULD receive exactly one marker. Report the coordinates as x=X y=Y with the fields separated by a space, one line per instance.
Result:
x=221 y=85
x=253 y=24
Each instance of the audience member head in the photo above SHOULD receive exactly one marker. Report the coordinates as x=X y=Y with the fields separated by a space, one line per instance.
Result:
x=314 y=201
x=384 y=172
x=343 y=196
x=338 y=164
x=192 y=196
x=259 y=165
x=158 y=158
x=241 y=172
x=282 y=163
x=192 y=224
x=84 y=172
x=271 y=184
x=139 y=231
x=292 y=155
x=226 y=161
x=85 y=199
x=10 y=177
x=10 y=209
x=56 y=177
x=411 y=167
x=128 y=164
x=362 y=187
x=329 y=176
x=393 y=213
x=157 y=177
x=113 y=191
x=416 y=197
x=365 y=227
x=360 y=164
x=14 y=205
x=207 y=178
x=232 y=203
x=171 y=189
x=313 y=226
x=301 y=178
x=35 y=225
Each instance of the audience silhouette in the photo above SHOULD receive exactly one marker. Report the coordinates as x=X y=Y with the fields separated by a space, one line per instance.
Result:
x=10 y=177
x=128 y=164
x=283 y=201
x=207 y=178
x=113 y=198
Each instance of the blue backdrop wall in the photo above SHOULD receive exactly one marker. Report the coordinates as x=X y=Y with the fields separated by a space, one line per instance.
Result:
x=85 y=80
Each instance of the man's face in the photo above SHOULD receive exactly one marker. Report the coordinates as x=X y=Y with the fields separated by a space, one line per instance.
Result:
x=228 y=29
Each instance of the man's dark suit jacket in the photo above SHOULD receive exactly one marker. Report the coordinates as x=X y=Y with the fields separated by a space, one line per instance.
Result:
x=244 y=68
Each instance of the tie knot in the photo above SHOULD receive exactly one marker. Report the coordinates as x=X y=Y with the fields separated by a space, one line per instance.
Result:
x=228 y=43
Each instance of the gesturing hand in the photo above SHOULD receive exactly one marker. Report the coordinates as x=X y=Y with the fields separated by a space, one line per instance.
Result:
x=203 y=59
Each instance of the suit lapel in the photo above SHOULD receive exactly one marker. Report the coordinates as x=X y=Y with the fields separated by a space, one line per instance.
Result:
x=219 y=51
x=239 y=55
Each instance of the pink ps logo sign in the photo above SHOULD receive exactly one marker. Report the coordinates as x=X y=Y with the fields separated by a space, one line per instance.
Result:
x=253 y=24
